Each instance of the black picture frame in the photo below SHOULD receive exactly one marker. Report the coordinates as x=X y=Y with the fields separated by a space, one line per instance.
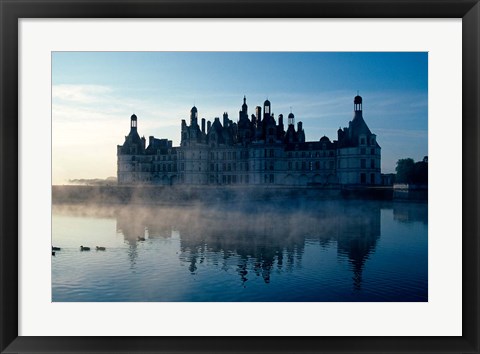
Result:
x=12 y=10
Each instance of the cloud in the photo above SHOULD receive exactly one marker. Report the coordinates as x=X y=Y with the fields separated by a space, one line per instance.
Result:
x=84 y=94
x=402 y=133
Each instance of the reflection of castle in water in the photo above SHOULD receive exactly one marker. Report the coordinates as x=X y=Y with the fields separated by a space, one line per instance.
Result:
x=258 y=240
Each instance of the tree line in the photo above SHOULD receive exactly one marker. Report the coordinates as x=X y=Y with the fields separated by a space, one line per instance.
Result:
x=411 y=172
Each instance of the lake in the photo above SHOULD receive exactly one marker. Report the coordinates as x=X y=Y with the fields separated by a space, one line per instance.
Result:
x=289 y=251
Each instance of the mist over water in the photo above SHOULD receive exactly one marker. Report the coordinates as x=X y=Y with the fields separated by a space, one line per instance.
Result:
x=289 y=251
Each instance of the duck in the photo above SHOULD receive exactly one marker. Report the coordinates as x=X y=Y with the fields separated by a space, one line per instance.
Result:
x=84 y=248
x=53 y=253
x=141 y=238
x=55 y=248
x=101 y=248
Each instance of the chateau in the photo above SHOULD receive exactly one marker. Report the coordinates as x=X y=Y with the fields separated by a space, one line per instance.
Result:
x=256 y=150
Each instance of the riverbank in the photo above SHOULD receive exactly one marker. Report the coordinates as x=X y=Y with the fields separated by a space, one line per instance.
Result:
x=73 y=194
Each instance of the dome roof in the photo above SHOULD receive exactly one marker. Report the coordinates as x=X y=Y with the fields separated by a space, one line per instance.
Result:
x=291 y=115
x=133 y=117
x=324 y=139
x=266 y=103
x=357 y=99
x=194 y=109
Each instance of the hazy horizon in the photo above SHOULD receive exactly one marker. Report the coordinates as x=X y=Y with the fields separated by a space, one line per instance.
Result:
x=95 y=93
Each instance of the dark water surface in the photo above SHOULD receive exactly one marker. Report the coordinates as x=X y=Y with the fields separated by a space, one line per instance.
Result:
x=310 y=251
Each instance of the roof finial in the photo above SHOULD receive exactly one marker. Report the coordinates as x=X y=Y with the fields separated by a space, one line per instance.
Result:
x=290 y=109
x=357 y=93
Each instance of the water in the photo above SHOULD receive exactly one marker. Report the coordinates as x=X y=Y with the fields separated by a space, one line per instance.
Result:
x=310 y=251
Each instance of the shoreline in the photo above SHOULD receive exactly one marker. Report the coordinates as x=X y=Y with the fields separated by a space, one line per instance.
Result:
x=147 y=194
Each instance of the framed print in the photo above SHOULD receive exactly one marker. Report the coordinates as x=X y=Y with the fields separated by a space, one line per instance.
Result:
x=336 y=211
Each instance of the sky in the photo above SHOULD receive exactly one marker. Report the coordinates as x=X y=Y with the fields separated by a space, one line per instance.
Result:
x=95 y=93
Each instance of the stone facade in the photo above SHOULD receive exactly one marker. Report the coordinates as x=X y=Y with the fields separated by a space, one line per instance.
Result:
x=254 y=150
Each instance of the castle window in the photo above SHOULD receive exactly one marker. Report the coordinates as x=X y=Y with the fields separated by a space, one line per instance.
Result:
x=289 y=165
x=303 y=165
x=372 y=178
x=317 y=165
x=372 y=152
x=272 y=180
x=362 y=163
x=271 y=153
x=362 y=141
x=246 y=179
x=331 y=153
x=362 y=151
x=229 y=167
x=296 y=165
x=372 y=163
x=363 y=178
x=331 y=164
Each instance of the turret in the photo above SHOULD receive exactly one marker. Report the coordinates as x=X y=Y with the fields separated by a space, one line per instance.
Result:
x=357 y=103
x=291 y=119
x=266 y=109
x=133 y=123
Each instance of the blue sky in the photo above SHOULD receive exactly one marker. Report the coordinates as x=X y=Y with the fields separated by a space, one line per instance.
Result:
x=94 y=94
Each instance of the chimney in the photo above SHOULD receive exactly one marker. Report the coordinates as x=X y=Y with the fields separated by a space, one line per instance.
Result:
x=209 y=124
x=299 y=127
x=258 y=112
x=203 y=125
x=225 y=119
